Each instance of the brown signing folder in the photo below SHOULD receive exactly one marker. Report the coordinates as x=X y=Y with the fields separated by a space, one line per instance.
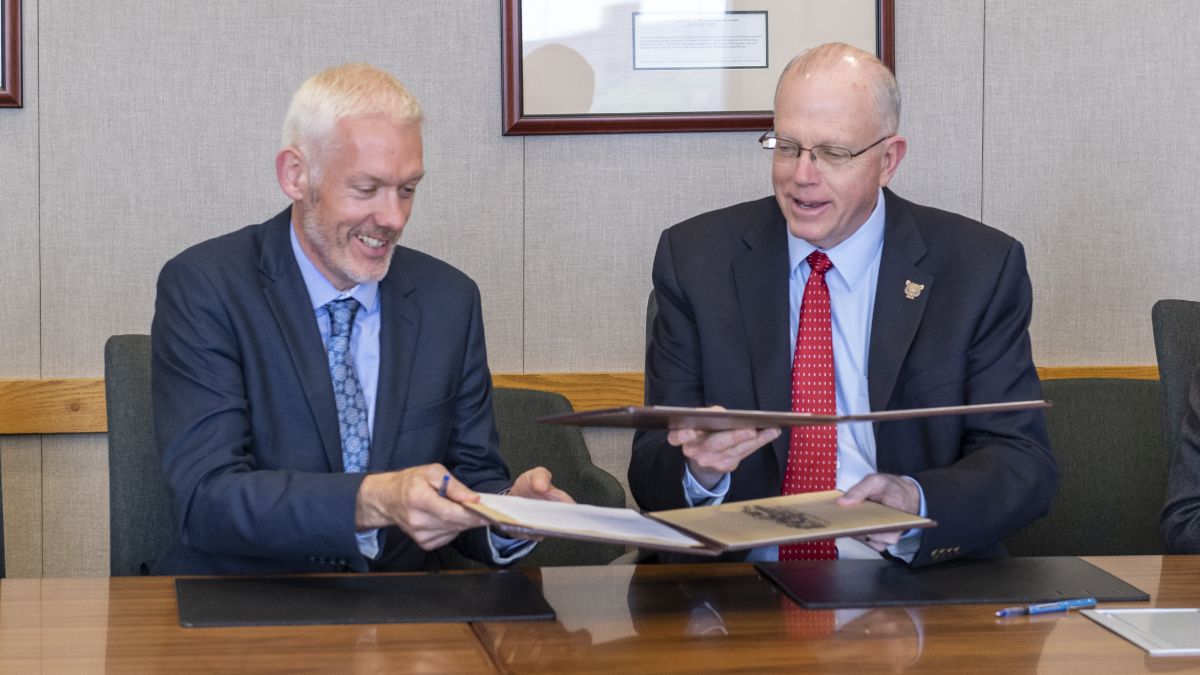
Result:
x=703 y=530
x=669 y=417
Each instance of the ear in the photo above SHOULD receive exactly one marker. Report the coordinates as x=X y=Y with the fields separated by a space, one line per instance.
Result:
x=892 y=156
x=292 y=173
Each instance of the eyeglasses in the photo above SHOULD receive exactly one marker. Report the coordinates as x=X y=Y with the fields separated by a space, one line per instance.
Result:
x=822 y=155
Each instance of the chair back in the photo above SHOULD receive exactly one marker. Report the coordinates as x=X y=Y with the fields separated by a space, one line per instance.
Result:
x=524 y=444
x=1108 y=438
x=140 y=524
x=1177 y=344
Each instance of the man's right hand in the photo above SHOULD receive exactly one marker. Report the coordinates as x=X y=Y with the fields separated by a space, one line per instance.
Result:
x=712 y=454
x=410 y=500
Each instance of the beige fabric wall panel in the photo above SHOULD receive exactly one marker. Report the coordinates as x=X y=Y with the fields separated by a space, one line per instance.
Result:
x=21 y=458
x=594 y=209
x=20 y=312
x=20 y=353
x=164 y=121
x=74 y=505
x=939 y=66
x=1089 y=129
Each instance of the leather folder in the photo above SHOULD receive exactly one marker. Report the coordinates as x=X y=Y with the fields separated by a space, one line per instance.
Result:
x=360 y=598
x=671 y=417
x=835 y=584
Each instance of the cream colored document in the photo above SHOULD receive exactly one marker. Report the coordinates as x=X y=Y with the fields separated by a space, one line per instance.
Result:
x=704 y=530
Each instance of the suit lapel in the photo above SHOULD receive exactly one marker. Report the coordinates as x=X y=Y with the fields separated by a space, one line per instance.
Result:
x=291 y=306
x=399 y=330
x=896 y=316
x=763 y=300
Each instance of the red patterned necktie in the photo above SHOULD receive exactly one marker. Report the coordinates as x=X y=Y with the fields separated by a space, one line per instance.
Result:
x=812 y=453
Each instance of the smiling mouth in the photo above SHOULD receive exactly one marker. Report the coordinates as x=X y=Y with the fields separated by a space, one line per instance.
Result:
x=808 y=205
x=373 y=242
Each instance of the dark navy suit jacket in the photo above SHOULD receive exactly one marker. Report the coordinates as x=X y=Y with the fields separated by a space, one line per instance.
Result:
x=722 y=337
x=245 y=417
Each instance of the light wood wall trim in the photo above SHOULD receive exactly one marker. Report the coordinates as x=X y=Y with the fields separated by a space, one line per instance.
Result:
x=58 y=406
x=1122 y=372
x=74 y=406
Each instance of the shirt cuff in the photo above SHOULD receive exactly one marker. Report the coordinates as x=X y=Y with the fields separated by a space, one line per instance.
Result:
x=910 y=542
x=698 y=495
x=506 y=550
x=368 y=543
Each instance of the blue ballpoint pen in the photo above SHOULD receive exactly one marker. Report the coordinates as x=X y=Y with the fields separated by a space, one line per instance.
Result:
x=445 y=484
x=1046 y=608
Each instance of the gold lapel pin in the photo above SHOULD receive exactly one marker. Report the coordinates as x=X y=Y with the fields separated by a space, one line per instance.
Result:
x=911 y=290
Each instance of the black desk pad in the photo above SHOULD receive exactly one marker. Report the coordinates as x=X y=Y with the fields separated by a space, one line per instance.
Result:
x=360 y=598
x=832 y=584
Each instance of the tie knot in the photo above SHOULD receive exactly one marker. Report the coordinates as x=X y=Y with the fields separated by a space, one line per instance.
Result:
x=341 y=316
x=819 y=262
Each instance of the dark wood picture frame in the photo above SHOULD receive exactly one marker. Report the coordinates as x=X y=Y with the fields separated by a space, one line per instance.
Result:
x=516 y=122
x=10 y=43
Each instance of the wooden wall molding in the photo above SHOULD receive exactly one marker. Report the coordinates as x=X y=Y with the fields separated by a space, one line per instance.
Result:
x=76 y=406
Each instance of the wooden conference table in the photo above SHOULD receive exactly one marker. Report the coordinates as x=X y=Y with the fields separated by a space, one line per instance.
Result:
x=615 y=619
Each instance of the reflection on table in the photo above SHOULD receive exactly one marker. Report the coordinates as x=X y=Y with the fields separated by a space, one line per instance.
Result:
x=614 y=619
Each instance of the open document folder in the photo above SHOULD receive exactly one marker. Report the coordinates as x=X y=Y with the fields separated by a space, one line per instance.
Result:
x=703 y=530
x=668 y=417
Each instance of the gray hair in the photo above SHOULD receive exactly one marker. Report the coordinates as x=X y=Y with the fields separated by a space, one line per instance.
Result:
x=827 y=57
x=350 y=90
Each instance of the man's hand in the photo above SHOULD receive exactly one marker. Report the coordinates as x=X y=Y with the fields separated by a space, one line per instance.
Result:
x=894 y=491
x=712 y=454
x=535 y=484
x=410 y=500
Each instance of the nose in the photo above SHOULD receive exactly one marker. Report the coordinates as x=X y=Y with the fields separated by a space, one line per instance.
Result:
x=804 y=170
x=393 y=212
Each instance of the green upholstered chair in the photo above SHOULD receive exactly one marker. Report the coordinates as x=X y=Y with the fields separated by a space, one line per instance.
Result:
x=1177 y=344
x=525 y=443
x=140 y=524
x=1108 y=437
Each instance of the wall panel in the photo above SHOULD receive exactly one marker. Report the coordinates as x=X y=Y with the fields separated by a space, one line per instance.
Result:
x=1089 y=129
x=939 y=67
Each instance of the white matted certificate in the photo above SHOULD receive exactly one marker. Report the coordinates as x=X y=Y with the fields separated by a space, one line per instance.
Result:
x=1160 y=631
x=676 y=41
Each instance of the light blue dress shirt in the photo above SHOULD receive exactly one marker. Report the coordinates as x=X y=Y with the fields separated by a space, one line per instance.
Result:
x=364 y=349
x=852 y=283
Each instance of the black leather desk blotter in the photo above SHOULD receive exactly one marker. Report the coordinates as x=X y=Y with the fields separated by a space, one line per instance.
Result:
x=831 y=584
x=365 y=598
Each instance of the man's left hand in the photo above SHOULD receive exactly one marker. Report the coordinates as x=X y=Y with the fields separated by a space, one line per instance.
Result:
x=535 y=484
x=894 y=491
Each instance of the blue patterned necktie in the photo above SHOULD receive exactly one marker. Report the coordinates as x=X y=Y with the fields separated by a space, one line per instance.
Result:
x=351 y=406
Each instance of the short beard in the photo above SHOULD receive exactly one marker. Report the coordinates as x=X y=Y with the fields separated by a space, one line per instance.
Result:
x=326 y=249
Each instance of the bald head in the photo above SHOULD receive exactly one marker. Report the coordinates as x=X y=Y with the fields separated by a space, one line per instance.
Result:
x=847 y=62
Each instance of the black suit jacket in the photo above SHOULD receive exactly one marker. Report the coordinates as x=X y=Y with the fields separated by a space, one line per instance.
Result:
x=246 y=421
x=722 y=337
x=1181 y=514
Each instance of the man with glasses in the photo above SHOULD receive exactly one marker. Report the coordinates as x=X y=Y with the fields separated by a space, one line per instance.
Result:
x=838 y=295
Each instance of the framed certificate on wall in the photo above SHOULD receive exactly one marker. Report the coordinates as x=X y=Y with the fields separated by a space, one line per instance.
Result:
x=10 y=53
x=604 y=66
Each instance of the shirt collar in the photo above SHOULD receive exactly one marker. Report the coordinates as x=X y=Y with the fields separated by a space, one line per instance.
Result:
x=321 y=292
x=853 y=257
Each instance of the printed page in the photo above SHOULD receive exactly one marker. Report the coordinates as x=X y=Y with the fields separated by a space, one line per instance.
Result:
x=581 y=520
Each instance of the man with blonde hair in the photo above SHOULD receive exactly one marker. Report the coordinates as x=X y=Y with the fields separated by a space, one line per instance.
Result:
x=322 y=395
x=836 y=295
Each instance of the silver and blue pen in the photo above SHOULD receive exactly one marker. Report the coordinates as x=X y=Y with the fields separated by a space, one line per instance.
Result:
x=1048 y=607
